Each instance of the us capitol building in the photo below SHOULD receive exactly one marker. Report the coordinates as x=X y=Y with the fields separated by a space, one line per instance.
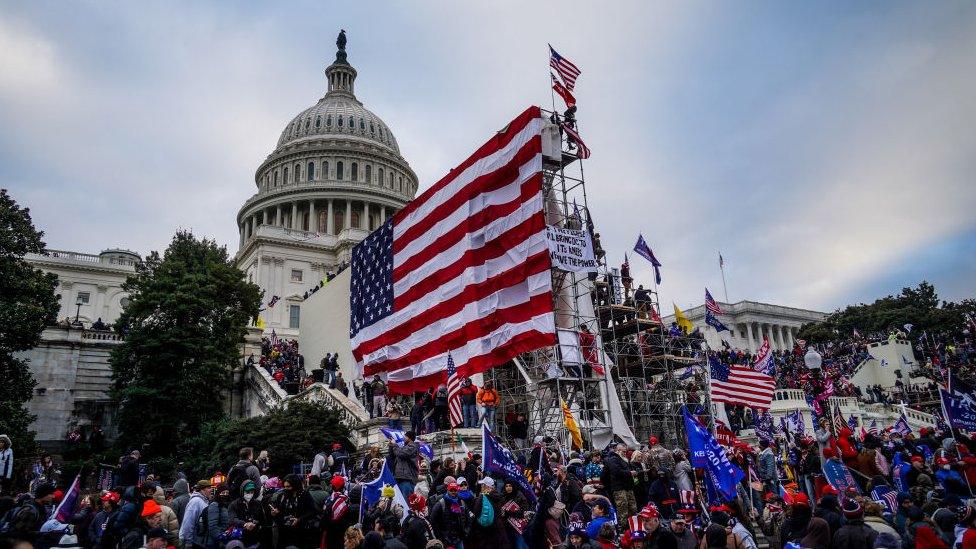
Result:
x=335 y=175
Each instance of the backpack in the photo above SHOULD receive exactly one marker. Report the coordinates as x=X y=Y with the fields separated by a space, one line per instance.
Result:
x=487 y=516
x=236 y=478
x=21 y=519
x=202 y=532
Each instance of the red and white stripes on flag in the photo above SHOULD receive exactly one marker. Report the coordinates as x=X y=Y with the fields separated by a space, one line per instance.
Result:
x=561 y=90
x=582 y=151
x=462 y=269
x=453 y=393
x=565 y=68
x=740 y=385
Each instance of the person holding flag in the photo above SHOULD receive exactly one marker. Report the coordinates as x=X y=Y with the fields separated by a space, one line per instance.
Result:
x=405 y=462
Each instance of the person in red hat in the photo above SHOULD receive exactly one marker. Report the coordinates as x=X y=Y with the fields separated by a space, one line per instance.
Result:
x=151 y=517
x=417 y=530
x=336 y=514
x=800 y=514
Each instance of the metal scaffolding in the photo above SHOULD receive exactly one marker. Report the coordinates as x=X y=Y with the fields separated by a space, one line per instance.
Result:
x=641 y=361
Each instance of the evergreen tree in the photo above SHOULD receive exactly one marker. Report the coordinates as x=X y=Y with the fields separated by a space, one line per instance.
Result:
x=918 y=306
x=27 y=304
x=187 y=315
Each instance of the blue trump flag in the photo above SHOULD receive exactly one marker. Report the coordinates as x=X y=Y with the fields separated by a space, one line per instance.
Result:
x=714 y=322
x=499 y=461
x=644 y=250
x=707 y=453
x=960 y=404
x=373 y=490
x=400 y=438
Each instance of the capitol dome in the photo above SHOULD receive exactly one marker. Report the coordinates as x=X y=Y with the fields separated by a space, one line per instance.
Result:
x=338 y=115
x=335 y=175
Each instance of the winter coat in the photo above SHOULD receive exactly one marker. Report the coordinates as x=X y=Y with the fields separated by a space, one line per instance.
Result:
x=188 y=526
x=767 y=465
x=241 y=511
x=450 y=520
x=855 y=535
x=218 y=519
x=619 y=474
x=880 y=525
x=682 y=475
x=468 y=394
x=416 y=531
x=181 y=496
x=405 y=462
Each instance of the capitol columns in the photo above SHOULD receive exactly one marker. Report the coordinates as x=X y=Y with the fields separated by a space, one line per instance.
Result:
x=382 y=215
x=313 y=224
x=295 y=224
x=364 y=221
x=752 y=342
x=278 y=217
x=330 y=220
x=347 y=217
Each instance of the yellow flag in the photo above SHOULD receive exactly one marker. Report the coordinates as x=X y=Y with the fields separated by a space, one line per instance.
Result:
x=682 y=320
x=572 y=426
x=260 y=322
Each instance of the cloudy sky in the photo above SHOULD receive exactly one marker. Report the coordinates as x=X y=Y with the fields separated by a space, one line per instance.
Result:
x=828 y=150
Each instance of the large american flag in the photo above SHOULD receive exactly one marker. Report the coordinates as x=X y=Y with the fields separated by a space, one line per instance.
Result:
x=463 y=269
x=740 y=385
x=453 y=395
x=564 y=67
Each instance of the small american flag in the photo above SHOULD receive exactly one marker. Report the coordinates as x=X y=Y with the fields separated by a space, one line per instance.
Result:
x=740 y=385
x=564 y=68
x=453 y=396
x=873 y=429
x=582 y=151
x=711 y=304
x=561 y=90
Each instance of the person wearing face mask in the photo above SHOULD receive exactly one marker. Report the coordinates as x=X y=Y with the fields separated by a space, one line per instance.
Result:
x=217 y=516
x=291 y=510
x=247 y=513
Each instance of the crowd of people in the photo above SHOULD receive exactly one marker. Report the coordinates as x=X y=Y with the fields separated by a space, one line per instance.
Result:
x=908 y=492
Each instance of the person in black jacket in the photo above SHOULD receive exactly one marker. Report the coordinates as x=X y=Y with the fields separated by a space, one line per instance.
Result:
x=620 y=485
x=417 y=530
x=855 y=534
x=247 y=513
x=829 y=510
x=129 y=469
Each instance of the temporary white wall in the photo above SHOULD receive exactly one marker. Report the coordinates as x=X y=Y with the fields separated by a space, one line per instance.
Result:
x=325 y=326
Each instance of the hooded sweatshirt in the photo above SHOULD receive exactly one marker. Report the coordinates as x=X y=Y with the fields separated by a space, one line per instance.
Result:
x=188 y=527
x=181 y=496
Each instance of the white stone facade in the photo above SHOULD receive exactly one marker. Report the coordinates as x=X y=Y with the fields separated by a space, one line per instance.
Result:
x=94 y=279
x=335 y=175
x=750 y=321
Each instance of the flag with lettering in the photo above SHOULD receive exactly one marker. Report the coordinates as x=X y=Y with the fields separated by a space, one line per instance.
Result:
x=764 y=359
x=707 y=453
x=462 y=270
x=499 y=461
x=960 y=403
x=400 y=438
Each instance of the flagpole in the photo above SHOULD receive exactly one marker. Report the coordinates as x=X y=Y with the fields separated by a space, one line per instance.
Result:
x=721 y=266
